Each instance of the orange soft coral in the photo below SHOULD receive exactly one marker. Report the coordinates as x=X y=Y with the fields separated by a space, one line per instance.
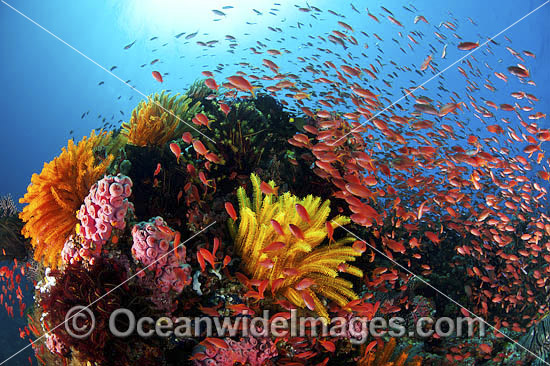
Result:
x=54 y=195
x=158 y=120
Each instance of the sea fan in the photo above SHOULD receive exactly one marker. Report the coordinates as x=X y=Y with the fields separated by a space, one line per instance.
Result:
x=302 y=269
x=159 y=119
x=54 y=195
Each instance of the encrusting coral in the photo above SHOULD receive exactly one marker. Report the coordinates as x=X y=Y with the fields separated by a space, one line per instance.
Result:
x=277 y=244
x=159 y=119
x=54 y=195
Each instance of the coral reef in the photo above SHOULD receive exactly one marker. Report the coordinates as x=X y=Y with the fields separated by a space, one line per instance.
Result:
x=159 y=119
x=57 y=192
x=279 y=240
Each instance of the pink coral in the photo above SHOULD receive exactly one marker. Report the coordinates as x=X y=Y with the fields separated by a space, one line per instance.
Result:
x=248 y=351
x=55 y=345
x=153 y=242
x=103 y=210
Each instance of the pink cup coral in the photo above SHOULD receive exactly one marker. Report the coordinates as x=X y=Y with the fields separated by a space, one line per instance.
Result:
x=103 y=210
x=55 y=345
x=153 y=242
x=248 y=351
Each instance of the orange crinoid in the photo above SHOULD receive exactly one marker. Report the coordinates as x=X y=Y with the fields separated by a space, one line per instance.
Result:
x=159 y=119
x=54 y=195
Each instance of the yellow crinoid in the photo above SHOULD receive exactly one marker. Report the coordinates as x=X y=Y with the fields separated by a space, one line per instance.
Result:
x=57 y=192
x=296 y=264
x=159 y=119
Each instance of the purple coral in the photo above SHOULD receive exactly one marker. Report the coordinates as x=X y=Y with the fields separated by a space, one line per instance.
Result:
x=153 y=240
x=103 y=210
x=248 y=351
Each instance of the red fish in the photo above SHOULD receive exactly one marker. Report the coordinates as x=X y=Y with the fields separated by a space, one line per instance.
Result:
x=157 y=76
x=273 y=247
x=187 y=137
x=268 y=189
x=225 y=108
x=466 y=46
x=203 y=120
x=231 y=211
x=157 y=170
x=199 y=147
x=175 y=148
x=302 y=212
x=226 y=261
x=211 y=83
x=296 y=231
x=241 y=83
x=305 y=283
x=277 y=227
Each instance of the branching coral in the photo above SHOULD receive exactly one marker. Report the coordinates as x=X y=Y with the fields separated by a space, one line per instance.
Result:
x=57 y=192
x=159 y=119
x=278 y=245
x=383 y=355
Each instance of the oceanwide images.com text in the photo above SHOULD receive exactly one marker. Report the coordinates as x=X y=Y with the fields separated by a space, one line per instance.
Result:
x=123 y=323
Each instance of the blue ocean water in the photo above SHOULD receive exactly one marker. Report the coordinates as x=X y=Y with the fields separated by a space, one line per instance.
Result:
x=56 y=56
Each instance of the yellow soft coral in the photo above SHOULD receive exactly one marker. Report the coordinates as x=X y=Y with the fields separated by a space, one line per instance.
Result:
x=159 y=119
x=383 y=355
x=54 y=195
x=299 y=259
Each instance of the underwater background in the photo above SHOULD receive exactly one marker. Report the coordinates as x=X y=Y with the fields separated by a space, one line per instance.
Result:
x=72 y=66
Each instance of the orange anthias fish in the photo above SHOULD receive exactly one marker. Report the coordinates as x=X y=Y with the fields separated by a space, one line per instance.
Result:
x=241 y=83
x=225 y=108
x=231 y=211
x=211 y=83
x=199 y=147
x=157 y=76
x=176 y=150
x=302 y=212
x=187 y=137
x=267 y=189
x=467 y=46
x=157 y=170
